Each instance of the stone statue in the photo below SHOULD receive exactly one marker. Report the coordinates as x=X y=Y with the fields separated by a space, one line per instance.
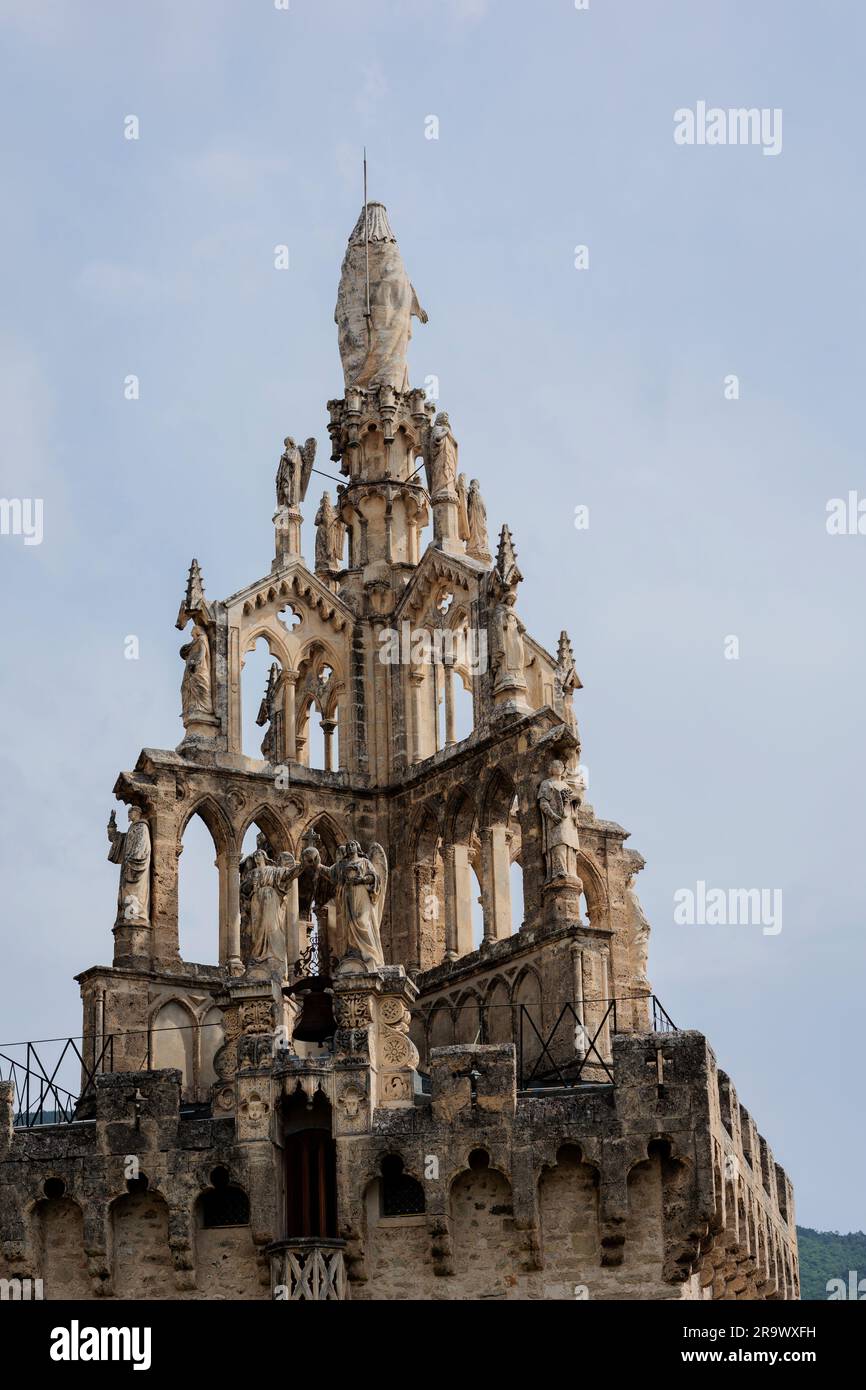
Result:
x=329 y=536
x=131 y=850
x=558 y=800
x=463 y=508
x=267 y=885
x=639 y=929
x=270 y=716
x=293 y=474
x=360 y=885
x=507 y=655
x=478 y=546
x=195 y=689
x=443 y=456
x=373 y=350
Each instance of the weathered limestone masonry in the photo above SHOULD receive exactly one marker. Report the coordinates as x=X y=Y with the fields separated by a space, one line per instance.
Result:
x=392 y=1082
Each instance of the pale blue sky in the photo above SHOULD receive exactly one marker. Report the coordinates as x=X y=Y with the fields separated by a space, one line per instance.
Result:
x=601 y=387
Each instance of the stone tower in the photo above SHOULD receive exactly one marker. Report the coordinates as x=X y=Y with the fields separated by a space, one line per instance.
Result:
x=379 y=1091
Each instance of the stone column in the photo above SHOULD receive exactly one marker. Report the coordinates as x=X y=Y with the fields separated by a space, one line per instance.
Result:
x=416 y=677
x=233 y=918
x=287 y=529
x=458 y=901
x=448 y=678
x=290 y=680
x=496 y=884
x=328 y=727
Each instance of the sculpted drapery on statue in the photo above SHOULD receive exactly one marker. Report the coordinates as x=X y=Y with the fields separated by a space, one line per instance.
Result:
x=443 y=456
x=267 y=885
x=373 y=350
x=195 y=689
x=131 y=849
x=293 y=474
x=558 y=801
x=360 y=884
x=477 y=544
x=330 y=532
x=508 y=657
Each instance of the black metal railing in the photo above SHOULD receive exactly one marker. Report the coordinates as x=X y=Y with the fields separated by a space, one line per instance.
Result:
x=39 y=1096
x=569 y=1054
x=574 y=1050
x=54 y=1078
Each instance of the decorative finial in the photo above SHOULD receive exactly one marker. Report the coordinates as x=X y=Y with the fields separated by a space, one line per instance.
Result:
x=506 y=560
x=564 y=653
x=194 y=604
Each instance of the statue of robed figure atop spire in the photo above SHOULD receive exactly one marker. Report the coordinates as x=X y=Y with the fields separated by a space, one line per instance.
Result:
x=375 y=304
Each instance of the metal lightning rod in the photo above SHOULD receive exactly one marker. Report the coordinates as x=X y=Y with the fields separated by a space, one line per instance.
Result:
x=367 y=246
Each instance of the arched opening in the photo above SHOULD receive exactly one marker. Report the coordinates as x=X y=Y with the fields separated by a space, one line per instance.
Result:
x=476 y=905
x=530 y=1026
x=500 y=844
x=515 y=879
x=318 y=706
x=261 y=693
x=464 y=708
x=400 y=1194
x=568 y=1205
x=482 y=1226
x=467 y=1025
x=319 y=932
x=441 y=1027
x=225 y=1253
x=265 y=833
x=212 y=1034
x=173 y=1043
x=143 y=1264
x=498 y=1014
x=429 y=873
x=59 y=1237
x=314 y=745
x=224 y=1203
x=310 y=1169
x=198 y=894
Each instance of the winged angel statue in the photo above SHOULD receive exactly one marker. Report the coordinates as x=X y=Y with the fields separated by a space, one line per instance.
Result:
x=293 y=475
x=360 y=883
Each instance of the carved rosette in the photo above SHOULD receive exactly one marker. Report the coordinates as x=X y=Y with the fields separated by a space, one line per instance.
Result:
x=397 y=1054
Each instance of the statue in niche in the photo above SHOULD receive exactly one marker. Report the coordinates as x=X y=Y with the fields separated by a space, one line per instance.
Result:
x=360 y=884
x=507 y=654
x=373 y=346
x=195 y=689
x=329 y=536
x=443 y=456
x=639 y=929
x=558 y=800
x=131 y=849
x=293 y=474
x=477 y=545
x=266 y=886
